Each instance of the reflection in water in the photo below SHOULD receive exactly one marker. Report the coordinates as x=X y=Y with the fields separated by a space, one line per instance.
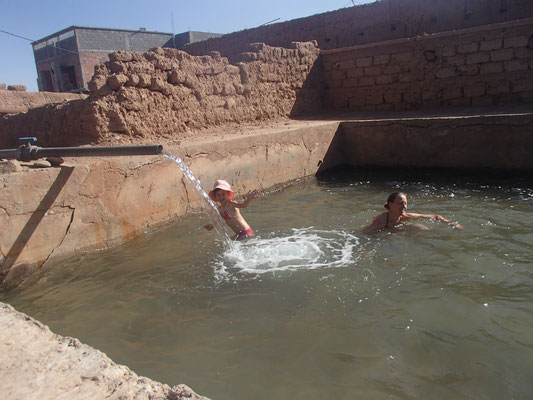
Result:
x=310 y=308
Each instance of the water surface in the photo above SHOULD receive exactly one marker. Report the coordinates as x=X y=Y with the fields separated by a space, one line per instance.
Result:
x=311 y=308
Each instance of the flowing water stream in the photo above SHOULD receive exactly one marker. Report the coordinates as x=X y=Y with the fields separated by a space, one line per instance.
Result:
x=311 y=308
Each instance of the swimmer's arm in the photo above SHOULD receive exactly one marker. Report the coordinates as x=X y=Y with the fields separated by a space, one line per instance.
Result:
x=251 y=195
x=436 y=217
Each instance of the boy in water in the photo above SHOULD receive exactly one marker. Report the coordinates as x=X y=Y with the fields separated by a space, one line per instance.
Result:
x=229 y=209
x=396 y=214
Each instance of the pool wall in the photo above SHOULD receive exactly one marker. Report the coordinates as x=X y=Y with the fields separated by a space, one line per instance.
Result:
x=56 y=213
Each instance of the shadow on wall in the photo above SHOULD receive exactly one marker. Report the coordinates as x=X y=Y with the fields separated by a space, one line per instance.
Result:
x=310 y=97
x=31 y=225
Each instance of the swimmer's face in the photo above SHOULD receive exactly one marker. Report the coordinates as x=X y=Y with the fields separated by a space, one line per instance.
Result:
x=220 y=195
x=399 y=204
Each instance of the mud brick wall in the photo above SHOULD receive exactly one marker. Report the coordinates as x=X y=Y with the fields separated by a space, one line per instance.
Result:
x=165 y=93
x=370 y=23
x=491 y=65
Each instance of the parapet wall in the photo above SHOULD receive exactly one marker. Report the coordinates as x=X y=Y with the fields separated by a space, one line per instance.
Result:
x=490 y=65
x=12 y=102
x=370 y=23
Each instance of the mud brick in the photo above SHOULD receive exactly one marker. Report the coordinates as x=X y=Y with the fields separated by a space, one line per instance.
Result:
x=468 y=48
x=349 y=83
x=516 y=65
x=366 y=81
x=445 y=72
x=392 y=96
x=347 y=64
x=374 y=98
x=515 y=41
x=494 y=44
x=475 y=90
x=502 y=55
x=482 y=101
x=429 y=95
x=384 y=79
x=404 y=78
x=491 y=68
x=498 y=87
x=372 y=71
x=468 y=70
x=462 y=102
x=477 y=58
x=355 y=72
x=363 y=61
x=391 y=69
x=523 y=52
x=403 y=57
x=452 y=93
x=382 y=59
x=522 y=84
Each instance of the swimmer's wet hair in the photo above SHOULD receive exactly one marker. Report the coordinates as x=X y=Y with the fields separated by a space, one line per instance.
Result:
x=392 y=197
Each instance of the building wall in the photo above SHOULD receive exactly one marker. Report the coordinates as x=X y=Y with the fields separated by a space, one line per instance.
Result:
x=371 y=23
x=490 y=65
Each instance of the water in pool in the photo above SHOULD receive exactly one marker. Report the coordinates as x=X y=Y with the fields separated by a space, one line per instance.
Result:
x=311 y=308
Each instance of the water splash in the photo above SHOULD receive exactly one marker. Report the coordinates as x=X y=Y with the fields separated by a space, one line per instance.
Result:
x=208 y=206
x=305 y=248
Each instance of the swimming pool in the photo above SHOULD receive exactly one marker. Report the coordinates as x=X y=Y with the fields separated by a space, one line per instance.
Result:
x=311 y=308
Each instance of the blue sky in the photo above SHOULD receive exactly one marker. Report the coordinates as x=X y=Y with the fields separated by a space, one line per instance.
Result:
x=35 y=19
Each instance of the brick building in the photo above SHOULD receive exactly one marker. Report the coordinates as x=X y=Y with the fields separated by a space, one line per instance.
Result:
x=65 y=60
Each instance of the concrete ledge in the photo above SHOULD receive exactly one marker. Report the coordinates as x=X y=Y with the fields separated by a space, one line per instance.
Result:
x=35 y=363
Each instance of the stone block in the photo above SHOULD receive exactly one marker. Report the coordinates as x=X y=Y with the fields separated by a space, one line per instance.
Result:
x=493 y=44
x=468 y=48
x=502 y=55
x=477 y=58
x=515 y=41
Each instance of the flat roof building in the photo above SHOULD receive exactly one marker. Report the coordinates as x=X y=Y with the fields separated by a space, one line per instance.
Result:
x=65 y=60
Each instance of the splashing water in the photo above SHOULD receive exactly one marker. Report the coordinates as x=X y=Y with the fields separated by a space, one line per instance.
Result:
x=208 y=206
x=305 y=248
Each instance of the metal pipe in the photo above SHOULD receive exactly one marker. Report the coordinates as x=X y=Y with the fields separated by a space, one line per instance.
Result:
x=28 y=152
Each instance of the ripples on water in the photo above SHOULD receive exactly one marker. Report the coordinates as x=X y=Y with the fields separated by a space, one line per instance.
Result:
x=310 y=308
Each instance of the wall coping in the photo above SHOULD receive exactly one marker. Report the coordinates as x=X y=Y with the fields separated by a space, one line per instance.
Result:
x=500 y=25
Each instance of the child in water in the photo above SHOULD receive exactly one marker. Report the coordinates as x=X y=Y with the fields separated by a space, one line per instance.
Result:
x=396 y=214
x=229 y=209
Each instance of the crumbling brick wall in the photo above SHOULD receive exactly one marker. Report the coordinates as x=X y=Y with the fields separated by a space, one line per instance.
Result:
x=164 y=92
x=484 y=66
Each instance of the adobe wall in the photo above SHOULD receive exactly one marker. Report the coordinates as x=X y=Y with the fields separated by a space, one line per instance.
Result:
x=165 y=92
x=371 y=23
x=490 y=65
